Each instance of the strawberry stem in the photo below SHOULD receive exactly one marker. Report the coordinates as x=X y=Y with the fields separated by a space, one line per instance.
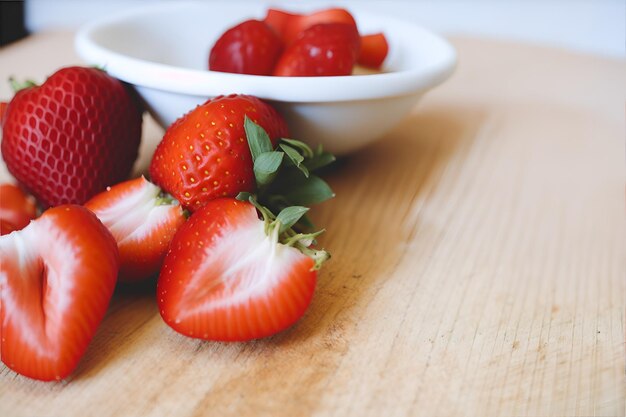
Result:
x=17 y=86
x=287 y=236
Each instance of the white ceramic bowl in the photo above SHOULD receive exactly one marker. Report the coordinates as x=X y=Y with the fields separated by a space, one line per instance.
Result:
x=163 y=51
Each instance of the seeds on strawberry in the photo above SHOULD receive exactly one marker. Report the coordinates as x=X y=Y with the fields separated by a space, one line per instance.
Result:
x=204 y=154
x=71 y=137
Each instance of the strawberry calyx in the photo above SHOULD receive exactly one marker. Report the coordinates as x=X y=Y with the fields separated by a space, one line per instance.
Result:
x=285 y=176
x=17 y=85
x=279 y=229
x=286 y=184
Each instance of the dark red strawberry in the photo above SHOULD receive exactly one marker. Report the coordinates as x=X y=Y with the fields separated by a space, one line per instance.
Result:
x=232 y=277
x=325 y=49
x=16 y=209
x=251 y=47
x=57 y=276
x=142 y=220
x=205 y=154
x=71 y=137
x=374 y=49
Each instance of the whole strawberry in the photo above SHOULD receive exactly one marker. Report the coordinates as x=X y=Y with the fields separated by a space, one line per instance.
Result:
x=205 y=154
x=324 y=49
x=71 y=137
x=251 y=47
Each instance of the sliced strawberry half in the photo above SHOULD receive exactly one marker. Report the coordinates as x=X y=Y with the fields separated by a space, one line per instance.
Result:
x=142 y=220
x=374 y=50
x=232 y=277
x=57 y=276
x=16 y=208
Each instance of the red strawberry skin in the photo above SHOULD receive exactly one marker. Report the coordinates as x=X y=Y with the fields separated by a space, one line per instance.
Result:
x=326 y=49
x=251 y=47
x=58 y=275
x=141 y=222
x=16 y=209
x=225 y=279
x=69 y=138
x=289 y=25
x=205 y=155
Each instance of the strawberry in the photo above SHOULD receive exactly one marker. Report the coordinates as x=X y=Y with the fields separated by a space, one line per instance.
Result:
x=251 y=47
x=16 y=209
x=374 y=49
x=142 y=221
x=3 y=109
x=57 y=276
x=324 y=49
x=232 y=277
x=290 y=25
x=279 y=21
x=71 y=137
x=205 y=155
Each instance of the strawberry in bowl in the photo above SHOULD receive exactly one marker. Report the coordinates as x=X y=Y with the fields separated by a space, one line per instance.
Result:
x=342 y=113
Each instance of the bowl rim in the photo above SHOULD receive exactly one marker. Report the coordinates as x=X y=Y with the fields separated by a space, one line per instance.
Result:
x=174 y=79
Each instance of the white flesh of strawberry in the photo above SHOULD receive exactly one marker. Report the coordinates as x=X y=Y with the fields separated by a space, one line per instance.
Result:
x=39 y=246
x=134 y=216
x=249 y=265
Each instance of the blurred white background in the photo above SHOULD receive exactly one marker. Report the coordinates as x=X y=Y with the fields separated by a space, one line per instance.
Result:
x=595 y=26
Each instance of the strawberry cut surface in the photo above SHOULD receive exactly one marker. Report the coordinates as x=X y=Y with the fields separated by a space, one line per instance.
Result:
x=57 y=276
x=142 y=221
x=226 y=279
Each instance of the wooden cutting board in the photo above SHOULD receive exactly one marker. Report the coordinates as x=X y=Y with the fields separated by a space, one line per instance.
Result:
x=479 y=266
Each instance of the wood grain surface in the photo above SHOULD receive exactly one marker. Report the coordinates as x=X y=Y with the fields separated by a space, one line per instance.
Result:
x=479 y=266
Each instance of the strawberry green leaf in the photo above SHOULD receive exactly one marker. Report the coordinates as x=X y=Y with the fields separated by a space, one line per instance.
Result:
x=266 y=167
x=295 y=157
x=306 y=223
x=305 y=191
x=17 y=86
x=290 y=216
x=258 y=139
x=319 y=160
x=304 y=149
x=244 y=196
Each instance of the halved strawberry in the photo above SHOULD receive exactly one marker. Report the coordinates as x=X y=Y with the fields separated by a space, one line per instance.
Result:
x=16 y=208
x=142 y=220
x=374 y=49
x=57 y=276
x=278 y=20
x=232 y=277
